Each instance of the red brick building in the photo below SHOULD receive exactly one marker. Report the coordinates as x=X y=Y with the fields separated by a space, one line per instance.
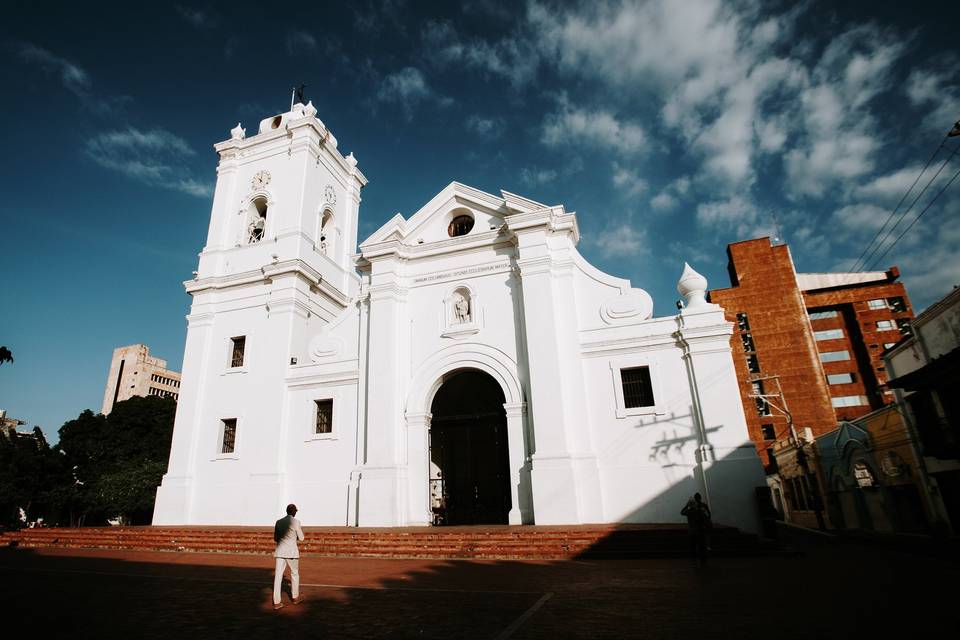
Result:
x=817 y=338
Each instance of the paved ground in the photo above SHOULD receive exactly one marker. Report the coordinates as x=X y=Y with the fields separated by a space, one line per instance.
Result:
x=835 y=592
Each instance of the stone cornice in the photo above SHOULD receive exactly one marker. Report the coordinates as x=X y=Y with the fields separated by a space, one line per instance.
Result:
x=296 y=268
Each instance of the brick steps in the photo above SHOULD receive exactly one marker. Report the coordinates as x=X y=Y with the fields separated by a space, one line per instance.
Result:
x=464 y=542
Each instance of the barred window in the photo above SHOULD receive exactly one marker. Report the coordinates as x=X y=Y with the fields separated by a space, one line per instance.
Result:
x=897 y=304
x=769 y=433
x=236 y=355
x=229 y=437
x=324 y=419
x=637 y=389
x=877 y=304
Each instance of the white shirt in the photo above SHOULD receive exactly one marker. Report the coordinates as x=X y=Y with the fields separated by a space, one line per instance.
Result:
x=287 y=547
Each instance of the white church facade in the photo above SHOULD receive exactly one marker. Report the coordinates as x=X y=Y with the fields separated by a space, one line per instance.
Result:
x=463 y=365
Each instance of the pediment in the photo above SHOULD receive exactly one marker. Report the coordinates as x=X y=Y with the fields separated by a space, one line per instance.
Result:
x=430 y=223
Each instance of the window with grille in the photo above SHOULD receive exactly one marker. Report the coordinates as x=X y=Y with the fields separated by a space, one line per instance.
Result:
x=884 y=325
x=743 y=323
x=637 y=389
x=460 y=226
x=228 y=440
x=769 y=433
x=897 y=303
x=236 y=354
x=324 y=419
x=877 y=304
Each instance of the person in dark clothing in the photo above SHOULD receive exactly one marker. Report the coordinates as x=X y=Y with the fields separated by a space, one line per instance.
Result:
x=698 y=523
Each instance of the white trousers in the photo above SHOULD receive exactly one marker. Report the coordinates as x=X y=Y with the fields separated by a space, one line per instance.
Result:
x=282 y=564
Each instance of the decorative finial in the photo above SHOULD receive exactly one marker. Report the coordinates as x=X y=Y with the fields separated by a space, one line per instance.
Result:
x=238 y=133
x=310 y=110
x=693 y=287
x=351 y=160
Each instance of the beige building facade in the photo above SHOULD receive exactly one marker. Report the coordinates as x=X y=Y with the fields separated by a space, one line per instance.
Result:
x=134 y=372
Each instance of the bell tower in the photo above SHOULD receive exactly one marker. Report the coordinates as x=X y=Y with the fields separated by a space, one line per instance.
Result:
x=283 y=194
x=276 y=268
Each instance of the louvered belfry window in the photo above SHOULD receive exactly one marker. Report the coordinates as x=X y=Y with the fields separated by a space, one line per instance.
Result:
x=637 y=390
x=324 y=422
x=460 y=226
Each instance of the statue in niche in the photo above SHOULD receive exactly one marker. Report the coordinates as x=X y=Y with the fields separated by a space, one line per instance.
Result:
x=461 y=308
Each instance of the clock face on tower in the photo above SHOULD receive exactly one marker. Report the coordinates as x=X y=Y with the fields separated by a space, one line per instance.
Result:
x=330 y=195
x=260 y=180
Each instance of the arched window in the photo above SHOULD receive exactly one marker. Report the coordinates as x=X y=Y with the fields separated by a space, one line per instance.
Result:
x=460 y=226
x=327 y=234
x=257 y=223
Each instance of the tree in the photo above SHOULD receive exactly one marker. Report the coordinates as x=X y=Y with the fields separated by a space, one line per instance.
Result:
x=5 y=355
x=117 y=461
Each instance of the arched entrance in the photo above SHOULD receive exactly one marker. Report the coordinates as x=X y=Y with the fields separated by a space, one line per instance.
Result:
x=469 y=461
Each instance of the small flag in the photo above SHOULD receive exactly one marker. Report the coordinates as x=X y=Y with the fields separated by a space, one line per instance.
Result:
x=953 y=133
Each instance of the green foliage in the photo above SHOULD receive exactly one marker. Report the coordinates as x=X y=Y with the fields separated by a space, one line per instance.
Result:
x=103 y=466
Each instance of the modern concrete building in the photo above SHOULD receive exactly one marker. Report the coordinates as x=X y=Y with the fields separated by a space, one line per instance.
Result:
x=476 y=370
x=134 y=372
x=810 y=344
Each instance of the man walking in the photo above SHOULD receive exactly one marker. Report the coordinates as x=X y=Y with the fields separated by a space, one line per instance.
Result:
x=698 y=523
x=286 y=533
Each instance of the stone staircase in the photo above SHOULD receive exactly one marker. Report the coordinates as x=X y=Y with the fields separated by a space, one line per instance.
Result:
x=493 y=541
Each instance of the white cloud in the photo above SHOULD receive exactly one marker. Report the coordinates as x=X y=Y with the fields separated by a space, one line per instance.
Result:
x=620 y=241
x=890 y=188
x=735 y=213
x=670 y=196
x=938 y=92
x=534 y=177
x=491 y=128
x=198 y=18
x=73 y=78
x=515 y=59
x=598 y=128
x=300 y=42
x=627 y=181
x=408 y=87
x=155 y=157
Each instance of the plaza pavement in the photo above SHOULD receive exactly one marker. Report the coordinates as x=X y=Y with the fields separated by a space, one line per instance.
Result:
x=832 y=591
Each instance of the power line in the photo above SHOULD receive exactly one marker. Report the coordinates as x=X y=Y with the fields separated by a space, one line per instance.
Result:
x=903 y=215
x=919 y=215
x=899 y=204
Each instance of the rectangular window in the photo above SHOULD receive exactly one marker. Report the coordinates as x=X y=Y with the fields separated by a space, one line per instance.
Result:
x=821 y=315
x=840 y=378
x=769 y=433
x=877 y=304
x=747 y=340
x=834 y=356
x=829 y=334
x=848 y=401
x=324 y=419
x=743 y=324
x=897 y=304
x=887 y=345
x=637 y=390
x=236 y=354
x=884 y=325
x=753 y=364
x=228 y=440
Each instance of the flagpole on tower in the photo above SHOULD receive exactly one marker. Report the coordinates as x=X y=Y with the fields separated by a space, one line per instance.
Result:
x=293 y=92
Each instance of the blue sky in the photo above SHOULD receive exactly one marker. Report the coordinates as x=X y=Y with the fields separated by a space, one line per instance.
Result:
x=671 y=128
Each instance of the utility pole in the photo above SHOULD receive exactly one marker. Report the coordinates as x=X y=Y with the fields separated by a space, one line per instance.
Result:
x=779 y=402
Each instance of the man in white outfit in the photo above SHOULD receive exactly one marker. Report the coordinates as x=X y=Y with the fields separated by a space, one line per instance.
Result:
x=286 y=533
